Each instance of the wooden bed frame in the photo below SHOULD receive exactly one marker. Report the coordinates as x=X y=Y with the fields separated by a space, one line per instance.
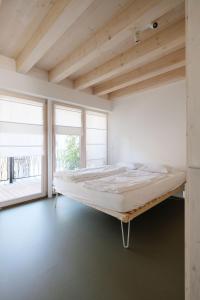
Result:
x=127 y=217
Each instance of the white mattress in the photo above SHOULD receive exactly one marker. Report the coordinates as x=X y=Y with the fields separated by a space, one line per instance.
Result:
x=122 y=202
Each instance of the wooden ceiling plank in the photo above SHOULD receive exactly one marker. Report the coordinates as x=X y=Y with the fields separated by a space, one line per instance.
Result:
x=157 y=81
x=7 y=63
x=162 y=65
x=139 y=14
x=59 y=18
x=162 y=43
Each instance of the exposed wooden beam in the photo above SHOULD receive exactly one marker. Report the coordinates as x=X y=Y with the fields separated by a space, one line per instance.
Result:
x=164 y=64
x=28 y=85
x=60 y=17
x=138 y=14
x=160 y=44
x=153 y=82
x=7 y=63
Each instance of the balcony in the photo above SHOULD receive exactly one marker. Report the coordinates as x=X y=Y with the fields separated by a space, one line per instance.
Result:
x=19 y=177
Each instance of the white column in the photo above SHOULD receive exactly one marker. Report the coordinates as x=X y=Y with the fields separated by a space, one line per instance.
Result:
x=50 y=146
x=192 y=209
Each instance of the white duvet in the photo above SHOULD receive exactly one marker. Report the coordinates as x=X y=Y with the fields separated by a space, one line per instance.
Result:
x=89 y=174
x=124 y=181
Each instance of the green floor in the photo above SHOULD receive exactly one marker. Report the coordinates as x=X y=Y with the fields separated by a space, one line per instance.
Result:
x=75 y=253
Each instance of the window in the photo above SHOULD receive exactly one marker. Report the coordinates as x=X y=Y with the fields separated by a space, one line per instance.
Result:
x=96 y=139
x=68 y=131
x=79 y=139
x=21 y=148
x=72 y=148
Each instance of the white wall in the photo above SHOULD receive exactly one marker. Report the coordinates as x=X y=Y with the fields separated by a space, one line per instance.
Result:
x=150 y=127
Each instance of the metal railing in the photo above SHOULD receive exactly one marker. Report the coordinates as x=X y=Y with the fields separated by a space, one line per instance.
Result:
x=12 y=168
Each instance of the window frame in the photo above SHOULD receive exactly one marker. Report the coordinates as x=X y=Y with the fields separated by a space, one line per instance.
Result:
x=83 y=154
x=54 y=133
x=48 y=158
x=44 y=157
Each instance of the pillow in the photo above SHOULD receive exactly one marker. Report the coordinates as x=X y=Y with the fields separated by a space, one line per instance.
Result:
x=129 y=165
x=155 y=168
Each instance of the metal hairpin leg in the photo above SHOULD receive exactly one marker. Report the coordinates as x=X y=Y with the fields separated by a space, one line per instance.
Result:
x=56 y=199
x=125 y=243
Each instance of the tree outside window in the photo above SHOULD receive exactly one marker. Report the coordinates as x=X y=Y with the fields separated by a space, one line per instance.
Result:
x=68 y=152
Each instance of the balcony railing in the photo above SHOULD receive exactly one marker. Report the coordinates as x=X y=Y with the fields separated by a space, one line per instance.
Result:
x=12 y=168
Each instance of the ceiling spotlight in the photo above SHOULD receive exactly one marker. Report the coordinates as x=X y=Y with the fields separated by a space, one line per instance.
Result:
x=153 y=25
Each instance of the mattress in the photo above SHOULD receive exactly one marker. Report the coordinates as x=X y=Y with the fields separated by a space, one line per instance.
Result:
x=120 y=202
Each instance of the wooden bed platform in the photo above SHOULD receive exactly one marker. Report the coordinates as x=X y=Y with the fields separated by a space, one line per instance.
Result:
x=128 y=216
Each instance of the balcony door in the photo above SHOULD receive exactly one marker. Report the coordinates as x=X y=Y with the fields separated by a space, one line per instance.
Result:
x=22 y=150
x=67 y=138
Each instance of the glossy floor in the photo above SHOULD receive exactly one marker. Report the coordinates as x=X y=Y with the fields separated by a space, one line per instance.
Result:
x=75 y=253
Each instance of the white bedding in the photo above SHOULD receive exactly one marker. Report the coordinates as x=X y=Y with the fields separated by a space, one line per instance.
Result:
x=90 y=173
x=124 y=181
x=121 y=197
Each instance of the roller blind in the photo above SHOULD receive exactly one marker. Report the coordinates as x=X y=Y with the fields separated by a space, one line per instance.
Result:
x=21 y=127
x=67 y=120
x=96 y=139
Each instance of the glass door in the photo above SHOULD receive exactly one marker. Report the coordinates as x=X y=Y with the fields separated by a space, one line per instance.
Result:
x=68 y=134
x=22 y=150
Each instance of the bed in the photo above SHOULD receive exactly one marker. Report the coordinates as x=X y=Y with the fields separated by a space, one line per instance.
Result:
x=121 y=192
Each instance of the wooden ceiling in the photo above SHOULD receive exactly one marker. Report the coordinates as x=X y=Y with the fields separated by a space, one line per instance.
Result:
x=93 y=43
